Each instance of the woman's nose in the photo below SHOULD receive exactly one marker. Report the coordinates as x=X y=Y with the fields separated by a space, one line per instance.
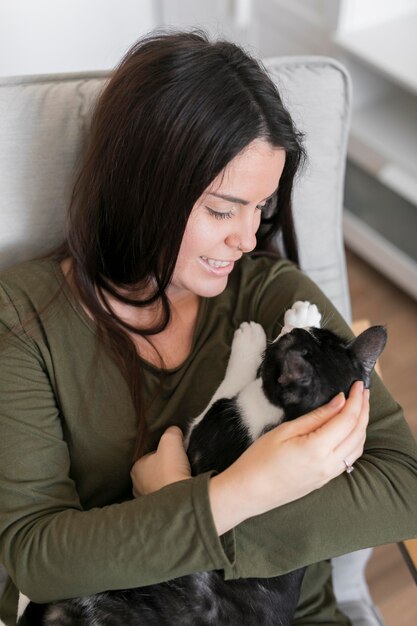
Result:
x=243 y=236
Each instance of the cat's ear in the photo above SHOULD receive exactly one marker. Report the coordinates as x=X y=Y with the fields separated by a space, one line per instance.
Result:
x=367 y=347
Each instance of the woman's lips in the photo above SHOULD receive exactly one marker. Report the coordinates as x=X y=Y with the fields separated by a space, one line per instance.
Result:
x=216 y=266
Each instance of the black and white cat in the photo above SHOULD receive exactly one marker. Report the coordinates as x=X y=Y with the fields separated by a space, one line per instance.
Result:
x=264 y=385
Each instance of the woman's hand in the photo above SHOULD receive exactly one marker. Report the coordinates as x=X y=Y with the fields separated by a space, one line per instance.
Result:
x=168 y=464
x=291 y=460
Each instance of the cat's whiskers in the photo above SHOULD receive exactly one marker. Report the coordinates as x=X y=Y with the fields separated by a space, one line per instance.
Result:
x=281 y=326
x=309 y=330
x=327 y=317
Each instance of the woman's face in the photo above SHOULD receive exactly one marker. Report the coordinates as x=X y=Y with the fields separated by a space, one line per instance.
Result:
x=224 y=220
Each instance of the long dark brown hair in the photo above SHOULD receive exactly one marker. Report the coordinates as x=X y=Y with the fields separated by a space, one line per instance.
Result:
x=175 y=112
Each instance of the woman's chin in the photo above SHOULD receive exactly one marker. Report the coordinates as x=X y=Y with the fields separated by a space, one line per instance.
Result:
x=201 y=279
x=213 y=290
x=200 y=287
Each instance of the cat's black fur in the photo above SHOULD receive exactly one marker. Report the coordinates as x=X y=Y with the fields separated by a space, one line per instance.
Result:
x=304 y=369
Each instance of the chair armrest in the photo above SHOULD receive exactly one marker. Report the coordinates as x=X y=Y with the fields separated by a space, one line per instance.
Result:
x=409 y=551
x=407 y=548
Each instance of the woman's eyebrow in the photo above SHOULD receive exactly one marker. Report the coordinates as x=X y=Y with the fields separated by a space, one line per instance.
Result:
x=234 y=199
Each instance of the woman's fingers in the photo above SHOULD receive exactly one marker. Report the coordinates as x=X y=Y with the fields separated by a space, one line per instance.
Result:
x=336 y=430
x=168 y=464
x=172 y=438
x=310 y=422
x=171 y=447
x=351 y=448
x=341 y=436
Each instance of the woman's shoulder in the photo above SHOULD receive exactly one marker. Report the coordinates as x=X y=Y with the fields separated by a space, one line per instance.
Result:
x=257 y=273
x=265 y=287
x=30 y=275
x=28 y=286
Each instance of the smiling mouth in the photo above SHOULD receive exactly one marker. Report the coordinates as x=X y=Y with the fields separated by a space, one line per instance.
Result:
x=215 y=263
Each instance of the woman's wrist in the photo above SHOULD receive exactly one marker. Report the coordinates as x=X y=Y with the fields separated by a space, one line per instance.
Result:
x=227 y=503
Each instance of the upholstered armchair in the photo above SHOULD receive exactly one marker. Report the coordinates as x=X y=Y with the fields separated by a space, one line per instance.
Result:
x=43 y=124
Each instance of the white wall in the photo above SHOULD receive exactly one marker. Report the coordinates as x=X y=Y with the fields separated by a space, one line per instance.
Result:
x=234 y=20
x=41 y=36
x=358 y=14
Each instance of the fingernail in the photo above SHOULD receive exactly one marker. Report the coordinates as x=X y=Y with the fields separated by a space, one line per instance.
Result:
x=337 y=399
x=360 y=385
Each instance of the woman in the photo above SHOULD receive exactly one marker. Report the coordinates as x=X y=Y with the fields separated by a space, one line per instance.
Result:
x=123 y=334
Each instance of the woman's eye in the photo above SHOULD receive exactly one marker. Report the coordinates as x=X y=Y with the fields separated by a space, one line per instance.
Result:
x=219 y=215
x=266 y=207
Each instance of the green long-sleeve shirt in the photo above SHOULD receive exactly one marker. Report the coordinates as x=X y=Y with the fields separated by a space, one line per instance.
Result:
x=68 y=523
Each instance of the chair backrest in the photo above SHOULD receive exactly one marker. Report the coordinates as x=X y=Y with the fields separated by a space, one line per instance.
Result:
x=44 y=121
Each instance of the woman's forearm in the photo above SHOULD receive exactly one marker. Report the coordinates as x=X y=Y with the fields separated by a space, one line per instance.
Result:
x=227 y=507
x=75 y=553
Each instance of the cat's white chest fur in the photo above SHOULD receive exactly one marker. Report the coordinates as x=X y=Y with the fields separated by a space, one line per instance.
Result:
x=255 y=409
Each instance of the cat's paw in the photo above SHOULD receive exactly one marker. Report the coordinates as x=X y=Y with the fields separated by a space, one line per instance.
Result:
x=249 y=344
x=302 y=315
x=249 y=339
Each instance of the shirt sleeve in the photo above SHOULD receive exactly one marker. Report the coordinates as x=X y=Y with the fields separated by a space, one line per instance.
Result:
x=50 y=546
x=375 y=504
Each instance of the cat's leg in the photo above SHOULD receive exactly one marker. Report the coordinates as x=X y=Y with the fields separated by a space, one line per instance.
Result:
x=248 y=346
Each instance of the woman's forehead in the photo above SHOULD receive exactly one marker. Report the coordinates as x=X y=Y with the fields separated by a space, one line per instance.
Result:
x=254 y=171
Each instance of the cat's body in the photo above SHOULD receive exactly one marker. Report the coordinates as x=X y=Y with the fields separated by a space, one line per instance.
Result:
x=264 y=385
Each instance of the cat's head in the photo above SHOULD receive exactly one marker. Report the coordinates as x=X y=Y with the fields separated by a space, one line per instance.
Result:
x=305 y=368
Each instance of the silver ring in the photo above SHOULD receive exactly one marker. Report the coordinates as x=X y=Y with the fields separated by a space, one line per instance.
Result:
x=349 y=468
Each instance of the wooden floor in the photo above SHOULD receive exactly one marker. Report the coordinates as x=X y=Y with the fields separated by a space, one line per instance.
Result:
x=377 y=299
